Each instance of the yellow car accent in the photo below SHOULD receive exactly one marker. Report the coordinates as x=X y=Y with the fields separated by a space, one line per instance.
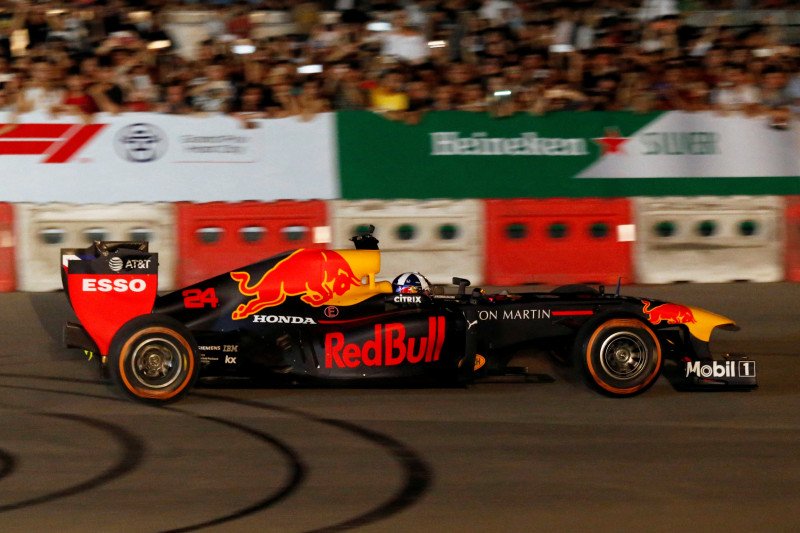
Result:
x=705 y=322
x=365 y=264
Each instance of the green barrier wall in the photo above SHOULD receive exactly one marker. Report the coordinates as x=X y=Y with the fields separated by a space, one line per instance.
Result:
x=583 y=154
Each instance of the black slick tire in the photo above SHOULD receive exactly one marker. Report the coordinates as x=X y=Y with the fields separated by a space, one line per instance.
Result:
x=153 y=359
x=618 y=356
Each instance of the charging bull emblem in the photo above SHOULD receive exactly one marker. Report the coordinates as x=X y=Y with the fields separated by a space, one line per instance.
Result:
x=669 y=313
x=317 y=276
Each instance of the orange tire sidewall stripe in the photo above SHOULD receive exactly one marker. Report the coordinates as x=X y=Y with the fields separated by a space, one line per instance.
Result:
x=157 y=395
x=627 y=323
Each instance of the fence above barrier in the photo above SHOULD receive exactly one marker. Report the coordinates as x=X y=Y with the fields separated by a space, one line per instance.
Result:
x=357 y=155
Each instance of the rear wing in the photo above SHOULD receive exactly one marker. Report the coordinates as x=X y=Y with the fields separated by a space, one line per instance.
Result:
x=108 y=284
x=99 y=254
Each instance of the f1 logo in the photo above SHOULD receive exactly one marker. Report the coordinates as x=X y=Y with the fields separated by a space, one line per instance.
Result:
x=57 y=143
x=747 y=369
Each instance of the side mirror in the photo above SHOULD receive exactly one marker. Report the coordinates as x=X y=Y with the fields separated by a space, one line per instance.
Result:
x=462 y=285
x=365 y=241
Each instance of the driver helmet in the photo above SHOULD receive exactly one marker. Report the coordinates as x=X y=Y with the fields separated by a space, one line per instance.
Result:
x=411 y=283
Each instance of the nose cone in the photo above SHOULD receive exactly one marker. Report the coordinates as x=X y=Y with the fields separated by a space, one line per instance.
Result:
x=706 y=321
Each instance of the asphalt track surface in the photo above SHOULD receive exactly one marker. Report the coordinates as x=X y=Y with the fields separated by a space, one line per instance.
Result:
x=508 y=456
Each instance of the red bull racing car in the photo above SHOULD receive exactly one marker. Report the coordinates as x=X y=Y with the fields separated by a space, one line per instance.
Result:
x=313 y=315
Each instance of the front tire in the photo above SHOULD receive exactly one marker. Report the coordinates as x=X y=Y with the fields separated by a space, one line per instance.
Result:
x=619 y=357
x=153 y=359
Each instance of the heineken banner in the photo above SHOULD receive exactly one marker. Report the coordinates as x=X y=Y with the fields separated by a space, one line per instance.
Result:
x=473 y=155
x=144 y=157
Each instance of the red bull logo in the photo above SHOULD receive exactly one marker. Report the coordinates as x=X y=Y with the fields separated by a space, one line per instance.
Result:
x=390 y=346
x=318 y=276
x=669 y=313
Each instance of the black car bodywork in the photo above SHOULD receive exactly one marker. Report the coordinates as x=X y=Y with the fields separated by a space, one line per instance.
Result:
x=320 y=315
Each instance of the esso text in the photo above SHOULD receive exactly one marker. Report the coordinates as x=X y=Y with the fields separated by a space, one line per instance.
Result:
x=113 y=285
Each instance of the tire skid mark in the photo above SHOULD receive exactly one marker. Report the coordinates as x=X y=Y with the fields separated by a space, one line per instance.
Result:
x=8 y=463
x=296 y=479
x=418 y=474
x=133 y=450
x=418 y=477
x=53 y=378
x=5 y=358
x=297 y=467
x=56 y=391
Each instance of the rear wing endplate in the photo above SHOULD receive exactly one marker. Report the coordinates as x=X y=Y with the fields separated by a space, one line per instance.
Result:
x=108 y=284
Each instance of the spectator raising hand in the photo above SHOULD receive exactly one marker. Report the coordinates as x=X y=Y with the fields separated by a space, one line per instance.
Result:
x=405 y=42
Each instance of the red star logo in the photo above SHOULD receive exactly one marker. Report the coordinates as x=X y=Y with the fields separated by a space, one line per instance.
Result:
x=611 y=142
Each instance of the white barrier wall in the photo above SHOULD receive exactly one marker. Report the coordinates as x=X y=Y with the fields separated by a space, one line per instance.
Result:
x=438 y=238
x=44 y=229
x=709 y=239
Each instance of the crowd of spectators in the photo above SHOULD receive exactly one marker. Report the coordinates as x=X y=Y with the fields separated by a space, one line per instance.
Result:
x=401 y=58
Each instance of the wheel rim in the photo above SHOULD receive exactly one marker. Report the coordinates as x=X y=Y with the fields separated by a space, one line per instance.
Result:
x=156 y=363
x=624 y=355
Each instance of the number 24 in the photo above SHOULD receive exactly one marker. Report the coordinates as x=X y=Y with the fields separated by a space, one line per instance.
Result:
x=199 y=298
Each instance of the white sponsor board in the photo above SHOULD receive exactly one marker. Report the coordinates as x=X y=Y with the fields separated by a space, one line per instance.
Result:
x=147 y=157
x=702 y=145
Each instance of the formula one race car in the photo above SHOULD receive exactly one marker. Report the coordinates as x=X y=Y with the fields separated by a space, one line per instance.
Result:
x=320 y=315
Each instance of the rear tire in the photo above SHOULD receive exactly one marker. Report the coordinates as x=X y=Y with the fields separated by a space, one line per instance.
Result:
x=619 y=357
x=153 y=359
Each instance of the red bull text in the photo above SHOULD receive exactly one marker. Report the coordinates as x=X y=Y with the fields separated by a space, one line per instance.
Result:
x=669 y=313
x=317 y=276
x=388 y=347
